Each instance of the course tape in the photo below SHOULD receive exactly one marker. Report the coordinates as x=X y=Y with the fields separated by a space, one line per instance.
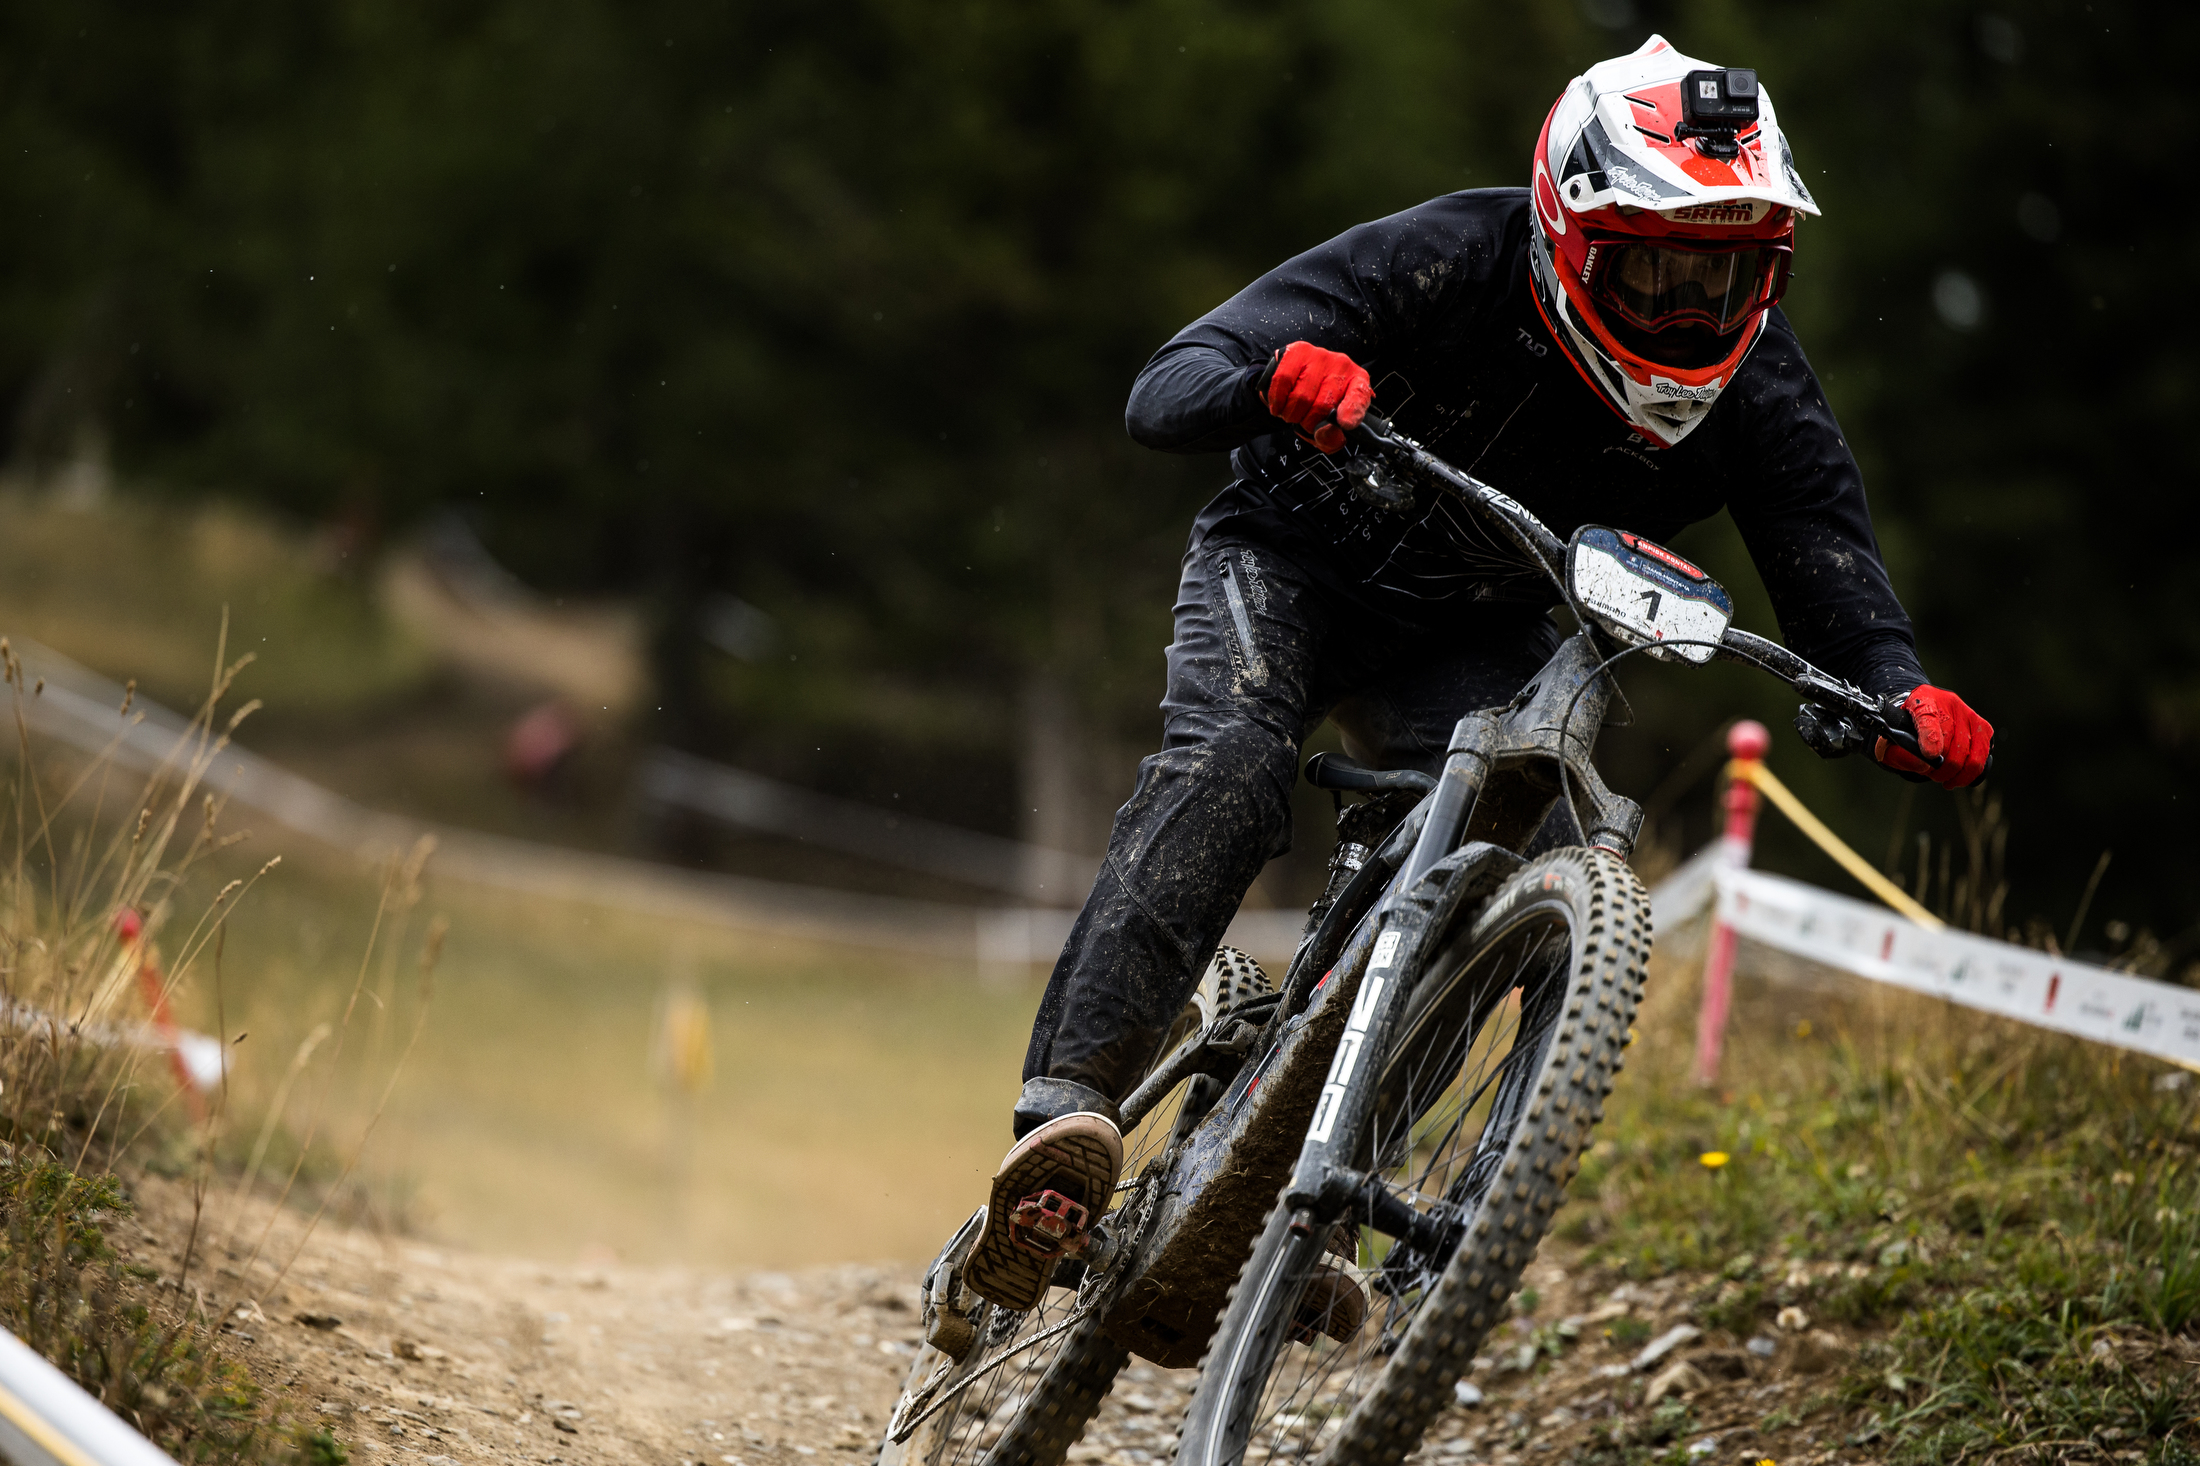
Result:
x=200 y=1054
x=1856 y=865
x=2078 y=998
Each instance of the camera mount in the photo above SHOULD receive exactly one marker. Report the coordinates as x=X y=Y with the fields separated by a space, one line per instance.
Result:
x=1716 y=107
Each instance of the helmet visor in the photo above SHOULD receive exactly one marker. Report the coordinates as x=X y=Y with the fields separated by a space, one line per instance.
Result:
x=1655 y=284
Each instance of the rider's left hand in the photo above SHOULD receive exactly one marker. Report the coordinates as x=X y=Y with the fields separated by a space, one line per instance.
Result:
x=1946 y=728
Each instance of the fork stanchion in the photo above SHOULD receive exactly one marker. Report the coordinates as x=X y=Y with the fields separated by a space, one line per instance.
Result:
x=1747 y=740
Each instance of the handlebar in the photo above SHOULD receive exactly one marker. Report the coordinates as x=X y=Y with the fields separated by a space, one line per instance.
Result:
x=1381 y=450
x=1835 y=719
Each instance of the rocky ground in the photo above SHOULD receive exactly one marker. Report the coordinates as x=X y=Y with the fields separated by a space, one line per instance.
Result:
x=1600 y=1367
x=408 y=1352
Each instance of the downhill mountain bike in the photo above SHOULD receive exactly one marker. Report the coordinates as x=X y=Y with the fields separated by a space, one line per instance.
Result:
x=1332 y=1185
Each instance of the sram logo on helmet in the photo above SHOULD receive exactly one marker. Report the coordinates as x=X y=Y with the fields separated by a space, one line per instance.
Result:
x=1665 y=201
x=1738 y=211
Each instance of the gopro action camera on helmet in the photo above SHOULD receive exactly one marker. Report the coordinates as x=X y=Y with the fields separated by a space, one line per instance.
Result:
x=1715 y=105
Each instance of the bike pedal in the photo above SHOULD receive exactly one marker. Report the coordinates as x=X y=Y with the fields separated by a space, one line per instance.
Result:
x=1049 y=1225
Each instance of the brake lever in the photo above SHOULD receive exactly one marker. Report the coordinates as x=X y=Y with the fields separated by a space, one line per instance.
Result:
x=1838 y=731
x=1832 y=734
x=1367 y=465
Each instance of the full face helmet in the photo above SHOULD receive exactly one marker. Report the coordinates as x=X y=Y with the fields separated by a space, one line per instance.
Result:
x=1664 y=201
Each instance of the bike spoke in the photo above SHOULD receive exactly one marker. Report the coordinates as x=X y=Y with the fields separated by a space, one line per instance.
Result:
x=1447 y=1115
x=987 y=1395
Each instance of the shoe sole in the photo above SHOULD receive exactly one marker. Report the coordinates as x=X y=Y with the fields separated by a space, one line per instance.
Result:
x=1001 y=1272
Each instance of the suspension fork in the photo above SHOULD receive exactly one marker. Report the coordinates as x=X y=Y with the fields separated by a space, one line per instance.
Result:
x=1397 y=921
x=1324 y=1183
x=1466 y=768
x=1389 y=942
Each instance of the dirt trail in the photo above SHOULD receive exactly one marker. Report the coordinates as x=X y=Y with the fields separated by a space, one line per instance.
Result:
x=410 y=1352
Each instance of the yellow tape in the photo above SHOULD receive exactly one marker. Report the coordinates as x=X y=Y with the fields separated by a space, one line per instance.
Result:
x=1826 y=840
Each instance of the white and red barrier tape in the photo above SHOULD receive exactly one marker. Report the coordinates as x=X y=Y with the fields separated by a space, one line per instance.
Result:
x=2134 y=1013
x=197 y=1057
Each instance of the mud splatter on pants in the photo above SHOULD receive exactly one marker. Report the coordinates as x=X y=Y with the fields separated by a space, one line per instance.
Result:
x=1263 y=652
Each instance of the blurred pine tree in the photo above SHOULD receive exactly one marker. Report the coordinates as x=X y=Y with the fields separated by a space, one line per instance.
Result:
x=834 y=307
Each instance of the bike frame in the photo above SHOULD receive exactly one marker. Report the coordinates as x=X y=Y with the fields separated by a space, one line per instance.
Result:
x=1294 y=1087
x=1516 y=782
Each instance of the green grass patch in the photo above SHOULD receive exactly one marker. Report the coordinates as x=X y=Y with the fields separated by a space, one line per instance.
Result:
x=137 y=587
x=2011 y=1219
x=64 y=1293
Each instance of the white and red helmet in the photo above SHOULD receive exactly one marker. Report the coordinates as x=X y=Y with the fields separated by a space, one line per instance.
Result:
x=1664 y=199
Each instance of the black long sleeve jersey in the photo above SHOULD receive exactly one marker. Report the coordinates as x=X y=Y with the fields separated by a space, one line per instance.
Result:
x=1436 y=303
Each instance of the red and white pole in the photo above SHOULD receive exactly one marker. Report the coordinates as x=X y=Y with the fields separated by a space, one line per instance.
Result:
x=1747 y=740
x=130 y=931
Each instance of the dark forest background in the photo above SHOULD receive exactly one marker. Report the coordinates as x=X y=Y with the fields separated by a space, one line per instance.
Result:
x=833 y=309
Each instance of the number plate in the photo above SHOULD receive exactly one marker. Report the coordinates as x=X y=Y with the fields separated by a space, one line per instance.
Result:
x=1644 y=594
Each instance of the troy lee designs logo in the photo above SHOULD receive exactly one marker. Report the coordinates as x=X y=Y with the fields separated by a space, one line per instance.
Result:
x=1621 y=176
x=1742 y=212
x=1689 y=394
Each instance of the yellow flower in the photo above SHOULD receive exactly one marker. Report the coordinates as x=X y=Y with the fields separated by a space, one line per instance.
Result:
x=1713 y=1159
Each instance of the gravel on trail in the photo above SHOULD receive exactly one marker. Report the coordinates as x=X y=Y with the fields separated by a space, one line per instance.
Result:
x=412 y=1353
x=408 y=1352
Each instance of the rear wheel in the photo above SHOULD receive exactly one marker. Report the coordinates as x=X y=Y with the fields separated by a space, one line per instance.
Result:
x=1025 y=1385
x=1486 y=1097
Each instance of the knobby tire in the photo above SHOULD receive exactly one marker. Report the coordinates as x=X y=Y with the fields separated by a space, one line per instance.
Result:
x=1556 y=1098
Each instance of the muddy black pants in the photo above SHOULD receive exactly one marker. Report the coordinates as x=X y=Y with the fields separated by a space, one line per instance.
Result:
x=1263 y=652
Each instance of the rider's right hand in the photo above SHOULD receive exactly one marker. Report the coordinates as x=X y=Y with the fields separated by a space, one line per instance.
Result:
x=1319 y=392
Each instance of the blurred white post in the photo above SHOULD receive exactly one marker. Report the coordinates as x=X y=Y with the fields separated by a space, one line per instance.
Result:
x=46 y=1418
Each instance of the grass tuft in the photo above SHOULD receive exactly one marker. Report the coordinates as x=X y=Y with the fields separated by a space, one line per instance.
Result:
x=97 y=881
x=2012 y=1219
x=64 y=1293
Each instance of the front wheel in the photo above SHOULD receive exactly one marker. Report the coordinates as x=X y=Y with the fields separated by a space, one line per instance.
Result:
x=1346 y=1348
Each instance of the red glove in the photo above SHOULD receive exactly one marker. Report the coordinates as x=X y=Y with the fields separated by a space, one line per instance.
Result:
x=1946 y=727
x=1308 y=386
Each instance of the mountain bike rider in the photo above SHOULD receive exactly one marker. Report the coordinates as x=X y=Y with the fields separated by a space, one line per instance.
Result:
x=1604 y=346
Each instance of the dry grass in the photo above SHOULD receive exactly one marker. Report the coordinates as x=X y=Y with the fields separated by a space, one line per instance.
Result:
x=117 y=896
x=136 y=586
x=858 y=1102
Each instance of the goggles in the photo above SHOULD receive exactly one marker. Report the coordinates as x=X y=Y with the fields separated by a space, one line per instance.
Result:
x=1655 y=284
